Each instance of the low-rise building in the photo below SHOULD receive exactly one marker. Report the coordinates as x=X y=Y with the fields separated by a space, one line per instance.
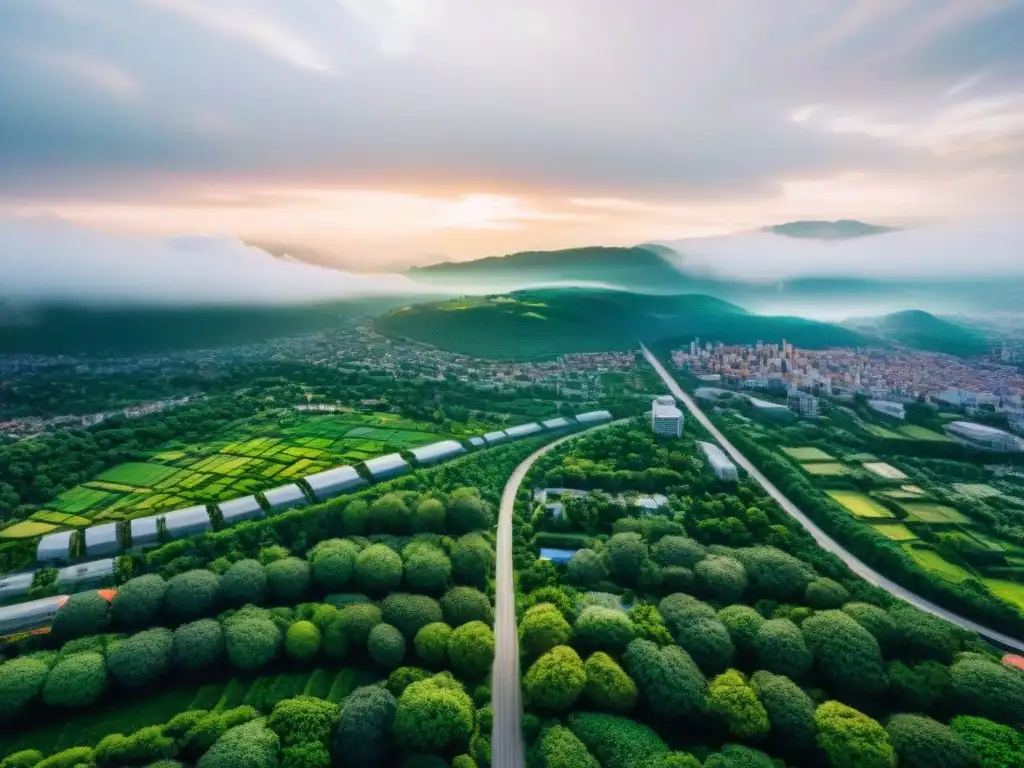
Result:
x=888 y=408
x=802 y=403
x=720 y=464
x=982 y=436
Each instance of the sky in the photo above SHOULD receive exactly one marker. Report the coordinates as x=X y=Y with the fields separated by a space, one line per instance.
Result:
x=376 y=134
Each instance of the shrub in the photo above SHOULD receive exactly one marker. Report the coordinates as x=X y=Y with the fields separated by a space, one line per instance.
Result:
x=76 y=681
x=463 y=761
x=410 y=613
x=603 y=629
x=386 y=645
x=145 y=744
x=309 y=754
x=615 y=741
x=822 y=594
x=26 y=758
x=678 y=551
x=845 y=653
x=624 y=556
x=471 y=649
x=555 y=680
x=649 y=624
x=362 y=738
x=243 y=583
x=996 y=746
x=921 y=742
x=142 y=658
x=851 y=739
x=461 y=605
x=920 y=635
x=773 y=574
x=192 y=594
x=732 y=700
x=988 y=689
x=472 y=560
x=428 y=517
x=302 y=719
x=198 y=645
x=251 y=745
x=403 y=677
x=698 y=630
x=542 y=628
x=918 y=688
x=720 y=578
x=378 y=569
x=781 y=649
x=790 y=710
x=673 y=760
x=332 y=562
x=559 y=748
x=876 y=621
x=432 y=716
x=356 y=621
x=743 y=623
x=333 y=639
x=563 y=598
x=738 y=756
x=72 y=757
x=288 y=580
x=586 y=569
x=85 y=613
x=467 y=512
x=427 y=569
x=21 y=680
x=355 y=517
x=137 y=601
x=431 y=644
x=251 y=642
x=668 y=679
x=608 y=687
x=302 y=641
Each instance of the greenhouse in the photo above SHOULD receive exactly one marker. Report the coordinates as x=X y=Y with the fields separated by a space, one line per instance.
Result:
x=15 y=585
x=54 y=547
x=492 y=438
x=237 y=510
x=387 y=466
x=102 y=540
x=75 y=578
x=522 y=430
x=429 y=454
x=285 y=497
x=187 y=522
x=560 y=423
x=593 y=417
x=145 y=531
x=335 y=481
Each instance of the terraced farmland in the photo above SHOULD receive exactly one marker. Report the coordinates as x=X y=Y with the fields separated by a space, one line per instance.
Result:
x=825 y=469
x=934 y=562
x=934 y=513
x=895 y=531
x=860 y=505
x=807 y=453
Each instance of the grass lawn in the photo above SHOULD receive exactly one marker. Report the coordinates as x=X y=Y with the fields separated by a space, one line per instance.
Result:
x=26 y=529
x=933 y=561
x=807 y=454
x=826 y=469
x=895 y=531
x=1010 y=591
x=887 y=471
x=878 y=431
x=920 y=433
x=860 y=505
x=935 y=513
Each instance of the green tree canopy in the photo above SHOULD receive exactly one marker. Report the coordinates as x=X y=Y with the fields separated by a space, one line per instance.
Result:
x=141 y=658
x=736 y=704
x=433 y=715
x=333 y=562
x=431 y=644
x=921 y=742
x=410 y=613
x=21 y=680
x=137 y=601
x=555 y=680
x=542 y=628
x=472 y=560
x=76 y=681
x=386 y=645
x=780 y=648
x=669 y=681
x=845 y=653
x=720 y=578
x=302 y=641
x=84 y=613
x=192 y=595
x=251 y=643
x=471 y=649
x=790 y=710
x=288 y=580
x=362 y=738
x=378 y=569
x=603 y=629
x=851 y=739
x=243 y=583
x=608 y=687
x=464 y=604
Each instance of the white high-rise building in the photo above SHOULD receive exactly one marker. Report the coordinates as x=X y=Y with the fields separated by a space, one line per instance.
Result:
x=666 y=418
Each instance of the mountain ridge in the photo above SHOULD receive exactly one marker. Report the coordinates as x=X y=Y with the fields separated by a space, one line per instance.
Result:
x=924 y=331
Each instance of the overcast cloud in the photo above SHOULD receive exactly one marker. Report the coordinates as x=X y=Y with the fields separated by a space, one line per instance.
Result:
x=706 y=115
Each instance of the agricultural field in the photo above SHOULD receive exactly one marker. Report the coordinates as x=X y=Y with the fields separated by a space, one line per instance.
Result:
x=807 y=454
x=895 y=531
x=880 y=431
x=915 y=432
x=825 y=469
x=976 y=491
x=860 y=505
x=1010 y=591
x=884 y=470
x=26 y=529
x=934 y=513
x=934 y=562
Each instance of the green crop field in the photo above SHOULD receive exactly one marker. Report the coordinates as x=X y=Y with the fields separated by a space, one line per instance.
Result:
x=860 y=505
x=934 y=513
x=26 y=529
x=862 y=457
x=895 y=531
x=807 y=454
x=826 y=469
x=136 y=474
x=920 y=433
x=976 y=491
x=80 y=499
x=884 y=470
x=1010 y=591
x=933 y=561
x=888 y=434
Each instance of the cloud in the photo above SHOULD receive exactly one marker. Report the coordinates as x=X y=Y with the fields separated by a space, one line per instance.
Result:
x=46 y=259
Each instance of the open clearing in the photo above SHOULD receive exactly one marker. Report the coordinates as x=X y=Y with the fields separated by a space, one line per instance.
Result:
x=860 y=505
x=1010 y=591
x=807 y=453
x=933 y=561
x=826 y=469
x=26 y=529
x=976 y=491
x=935 y=513
x=887 y=471
x=895 y=531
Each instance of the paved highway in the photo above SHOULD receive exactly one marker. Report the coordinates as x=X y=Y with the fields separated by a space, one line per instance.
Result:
x=823 y=539
x=506 y=700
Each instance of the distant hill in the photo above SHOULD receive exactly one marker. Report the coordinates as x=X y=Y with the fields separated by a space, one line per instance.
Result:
x=544 y=323
x=843 y=229
x=922 y=330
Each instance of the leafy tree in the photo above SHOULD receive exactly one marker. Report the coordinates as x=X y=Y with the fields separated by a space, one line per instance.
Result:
x=410 y=613
x=403 y=677
x=308 y=754
x=790 y=710
x=428 y=517
x=333 y=639
x=84 y=613
x=743 y=623
x=198 y=645
x=994 y=745
x=586 y=569
x=472 y=560
x=673 y=760
x=390 y=514
x=780 y=648
x=471 y=649
x=243 y=583
x=431 y=644
x=332 y=562
x=845 y=653
x=378 y=569
x=739 y=756
x=675 y=578
x=141 y=658
x=616 y=741
x=467 y=512
x=137 y=601
x=386 y=645
x=302 y=641
x=251 y=643
x=988 y=689
x=563 y=598
x=698 y=630
x=427 y=568
x=608 y=687
x=25 y=758
x=355 y=517
x=433 y=715
x=302 y=719
x=774 y=574
x=464 y=604
x=920 y=635
x=678 y=551
x=720 y=578
x=649 y=624
x=73 y=757
x=559 y=748
x=603 y=629
x=732 y=700
x=362 y=737
x=921 y=742
x=823 y=594
x=851 y=739
x=356 y=621
x=288 y=580
x=76 y=681
x=920 y=687
x=876 y=621
x=192 y=594
x=21 y=680
x=624 y=555
x=251 y=745
x=669 y=681
x=542 y=628
x=555 y=680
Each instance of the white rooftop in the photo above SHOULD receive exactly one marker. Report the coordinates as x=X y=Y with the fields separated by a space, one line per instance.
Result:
x=101 y=540
x=477 y=442
x=593 y=416
x=332 y=482
x=558 y=423
x=522 y=430
x=979 y=430
x=237 y=510
x=386 y=466
x=187 y=522
x=54 y=546
x=495 y=437
x=285 y=497
x=445 y=449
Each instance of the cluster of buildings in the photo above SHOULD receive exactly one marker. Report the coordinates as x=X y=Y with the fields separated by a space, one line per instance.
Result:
x=32 y=426
x=667 y=421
